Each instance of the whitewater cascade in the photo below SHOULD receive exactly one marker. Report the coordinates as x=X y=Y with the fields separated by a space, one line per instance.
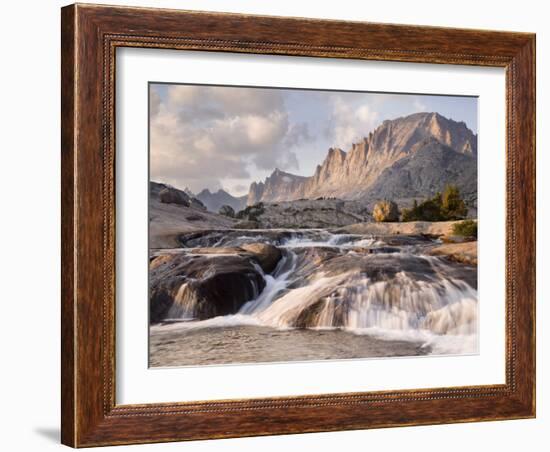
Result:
x=352 y=282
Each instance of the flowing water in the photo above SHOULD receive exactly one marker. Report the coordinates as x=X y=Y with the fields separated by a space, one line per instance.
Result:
x=330 y=296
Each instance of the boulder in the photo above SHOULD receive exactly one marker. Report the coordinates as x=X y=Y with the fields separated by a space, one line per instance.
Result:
x=385 y=211
x=267 y=255
x=186 y=285
x=169 y=195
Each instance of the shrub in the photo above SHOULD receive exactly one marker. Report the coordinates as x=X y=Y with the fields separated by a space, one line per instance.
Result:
x=452 y=205
x=442 y=207
x=251 y=213
x=385 y=211
x=227 y=211
x=466 y=228
x=429 y=210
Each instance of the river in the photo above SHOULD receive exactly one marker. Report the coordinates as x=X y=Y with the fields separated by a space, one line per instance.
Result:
x=330 y=296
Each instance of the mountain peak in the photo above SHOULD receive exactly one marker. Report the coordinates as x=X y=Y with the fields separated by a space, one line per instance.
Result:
x=188 y=192
x=350 y=174
x=213 y=201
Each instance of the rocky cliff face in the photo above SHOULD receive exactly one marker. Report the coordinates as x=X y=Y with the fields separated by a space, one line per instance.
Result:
x=353 y=174
x=424 y=172
x=280 y=186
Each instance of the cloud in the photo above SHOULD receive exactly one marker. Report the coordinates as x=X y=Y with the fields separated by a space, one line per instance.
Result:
x=154 y=102
x=239 y=188
x=214 y=136
x=419 y=106
x=298 y=134
x=201 y=136
x=351 y=120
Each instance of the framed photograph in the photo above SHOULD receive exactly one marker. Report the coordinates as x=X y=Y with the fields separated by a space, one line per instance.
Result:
x=281 y=225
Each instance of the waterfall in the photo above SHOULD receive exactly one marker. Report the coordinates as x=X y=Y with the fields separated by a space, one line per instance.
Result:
x=274 y=284
x=184 y=306
x=351 y=300
x=353 y=282
x=355 y=302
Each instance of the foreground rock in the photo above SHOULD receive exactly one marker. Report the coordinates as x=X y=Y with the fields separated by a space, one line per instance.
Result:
x=201 y=286
x=268 y=256
x=206 y=282
x=185 y=345
x=465 y=253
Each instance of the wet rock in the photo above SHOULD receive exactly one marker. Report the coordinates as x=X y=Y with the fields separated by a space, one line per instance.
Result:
x=225 y=238
x=187 y=285
x=268 y=256
x=318 y=255
x=315 y=315
x=376 y=250
x=217 y=251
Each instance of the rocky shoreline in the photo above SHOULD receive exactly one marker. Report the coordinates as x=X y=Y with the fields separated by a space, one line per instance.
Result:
x=465 y=253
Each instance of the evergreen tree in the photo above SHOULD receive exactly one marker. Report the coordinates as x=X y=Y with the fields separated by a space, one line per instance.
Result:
x=443 y=206
x=453 y=207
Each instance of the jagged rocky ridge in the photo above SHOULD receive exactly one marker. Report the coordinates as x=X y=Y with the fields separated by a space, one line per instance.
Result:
x=421 y=152
x=215 y=200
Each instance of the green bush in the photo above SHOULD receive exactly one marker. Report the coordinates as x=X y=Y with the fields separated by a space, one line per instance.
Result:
x=251 y=213
x=429 y=210
x=227 y=211
x=452 y=205
x=466 y=228
x=442 y=207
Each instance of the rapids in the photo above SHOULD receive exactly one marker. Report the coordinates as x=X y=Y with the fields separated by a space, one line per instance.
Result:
x=386 y=287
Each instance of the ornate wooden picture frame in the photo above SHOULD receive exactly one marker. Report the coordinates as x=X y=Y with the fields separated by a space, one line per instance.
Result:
x=90 y=37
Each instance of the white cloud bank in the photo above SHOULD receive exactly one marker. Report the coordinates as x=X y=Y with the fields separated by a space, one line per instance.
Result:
x=201 y=135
